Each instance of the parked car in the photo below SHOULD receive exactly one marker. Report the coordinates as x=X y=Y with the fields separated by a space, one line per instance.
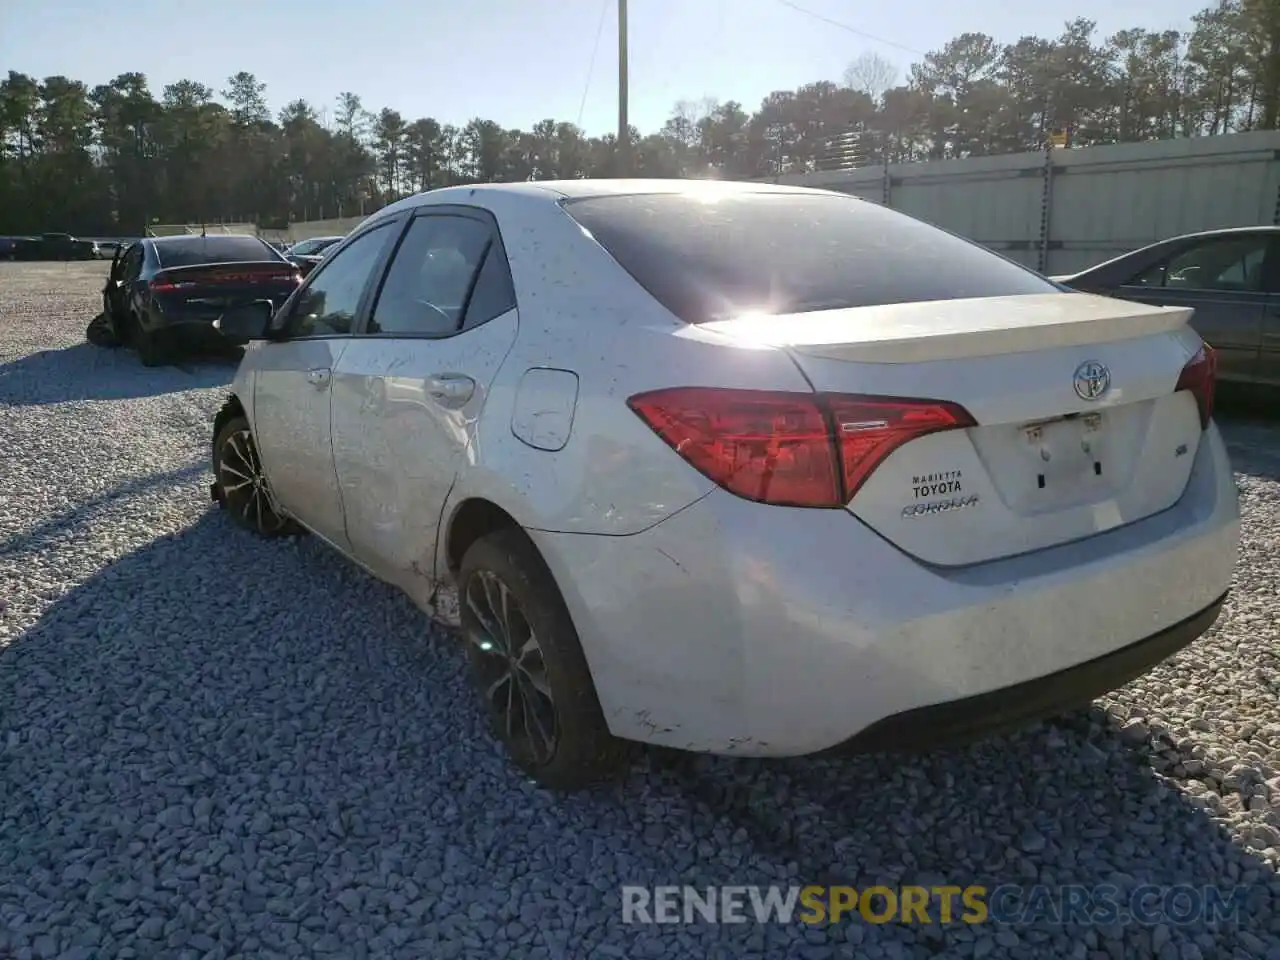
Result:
x=1230 y=277
x=305 y=254
x=164 y=293
x=105 y=249
x=737 y=468
x=63 y=246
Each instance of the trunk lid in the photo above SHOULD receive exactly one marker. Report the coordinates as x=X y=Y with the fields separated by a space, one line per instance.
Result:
x=1045 y=464
x=209 y=289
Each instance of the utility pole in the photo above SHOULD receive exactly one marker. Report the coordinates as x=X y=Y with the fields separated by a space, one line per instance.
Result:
x=624 y=128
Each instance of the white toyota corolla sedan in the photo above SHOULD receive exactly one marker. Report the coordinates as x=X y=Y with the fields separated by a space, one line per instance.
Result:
x=738 y=468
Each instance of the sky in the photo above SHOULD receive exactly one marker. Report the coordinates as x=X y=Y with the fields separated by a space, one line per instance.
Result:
x=519 y=61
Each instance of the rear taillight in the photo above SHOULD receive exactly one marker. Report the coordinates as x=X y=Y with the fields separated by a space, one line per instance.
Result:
x=163 y=284
x=792 y=449
x=1200 y=376
x=167 y=284
x=871 y=428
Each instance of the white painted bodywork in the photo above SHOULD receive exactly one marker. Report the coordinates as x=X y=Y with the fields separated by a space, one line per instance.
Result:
x=713 y=623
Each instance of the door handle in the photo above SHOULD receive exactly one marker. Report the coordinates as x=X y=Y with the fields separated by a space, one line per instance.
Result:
x=318 y=378
x=451 y=389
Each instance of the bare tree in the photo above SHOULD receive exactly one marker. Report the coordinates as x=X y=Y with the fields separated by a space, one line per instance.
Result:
x=871 y=74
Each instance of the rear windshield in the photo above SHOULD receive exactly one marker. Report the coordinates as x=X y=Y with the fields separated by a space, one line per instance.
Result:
x=713 y=258
x=307 y=247
x=189 y=251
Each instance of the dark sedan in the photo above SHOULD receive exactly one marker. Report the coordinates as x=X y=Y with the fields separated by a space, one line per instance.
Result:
x=163 y=293
x=1232 y=279
x=306 y=254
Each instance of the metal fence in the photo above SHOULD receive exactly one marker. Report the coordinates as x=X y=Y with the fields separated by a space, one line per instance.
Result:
x=1064 y=209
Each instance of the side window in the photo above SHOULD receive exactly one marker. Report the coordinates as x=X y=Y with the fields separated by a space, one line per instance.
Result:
x=1228 y=264
x=327 y=305
x=494 y=294
x=431 y=276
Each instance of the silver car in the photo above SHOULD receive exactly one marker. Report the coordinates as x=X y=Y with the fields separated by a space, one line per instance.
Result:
x=1231 y=278
x=737 y=468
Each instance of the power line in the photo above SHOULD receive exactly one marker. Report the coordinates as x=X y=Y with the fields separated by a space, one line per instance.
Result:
x=591 y=69
x=848 y=29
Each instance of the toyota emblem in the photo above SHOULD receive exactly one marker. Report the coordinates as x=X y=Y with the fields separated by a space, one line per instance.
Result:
x=1092 y=380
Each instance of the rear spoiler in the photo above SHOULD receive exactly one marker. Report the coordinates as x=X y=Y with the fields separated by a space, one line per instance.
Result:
x=227 y=264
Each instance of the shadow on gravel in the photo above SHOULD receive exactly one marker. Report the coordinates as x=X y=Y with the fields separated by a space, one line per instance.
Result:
x=87 y=372
x=225 y=744
x=39 y=537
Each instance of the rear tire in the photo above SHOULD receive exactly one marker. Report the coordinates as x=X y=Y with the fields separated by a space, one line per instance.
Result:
x=529 y=668
x=100 y=334
x=240 y=486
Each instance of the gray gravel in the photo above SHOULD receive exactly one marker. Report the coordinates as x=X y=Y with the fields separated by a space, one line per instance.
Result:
x=214 y=746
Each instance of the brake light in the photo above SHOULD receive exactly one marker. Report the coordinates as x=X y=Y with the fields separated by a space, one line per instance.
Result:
x=791 y=449
x=1200 y=376
x=871 y=428
x=164 y=283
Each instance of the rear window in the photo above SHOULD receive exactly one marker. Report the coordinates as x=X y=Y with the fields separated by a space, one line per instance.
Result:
x=712 y=258
x=187 y=252
x=309 y=247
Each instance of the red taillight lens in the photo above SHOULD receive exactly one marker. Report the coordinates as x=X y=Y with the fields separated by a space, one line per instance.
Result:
x=804 y=450
x=871 y=428
x=1200 y=376
x=166 y=284
x=764 y=446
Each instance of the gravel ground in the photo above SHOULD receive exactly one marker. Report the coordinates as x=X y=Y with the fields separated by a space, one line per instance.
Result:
x=213 y=746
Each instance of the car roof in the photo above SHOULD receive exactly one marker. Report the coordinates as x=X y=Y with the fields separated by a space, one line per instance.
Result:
x=1222 y=232
x=556 y=190
x=188 y=237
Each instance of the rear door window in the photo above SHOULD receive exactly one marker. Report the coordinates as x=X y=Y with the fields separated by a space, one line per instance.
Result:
x=1235 y=264
x=714 y=257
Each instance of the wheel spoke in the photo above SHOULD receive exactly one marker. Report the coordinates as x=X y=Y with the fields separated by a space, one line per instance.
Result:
x=505 y=614
x=248 y=504
x=511 y=695
x=233 y=443
x=519 y=690
x=545 y=741
x=228 y=468
x=257 y=505
x=506 y=677
x=232 y=488
x=535 y=673
x=486 y=624
x=494 y=605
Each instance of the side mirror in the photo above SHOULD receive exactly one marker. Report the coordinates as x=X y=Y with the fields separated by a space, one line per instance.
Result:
x=247 y=322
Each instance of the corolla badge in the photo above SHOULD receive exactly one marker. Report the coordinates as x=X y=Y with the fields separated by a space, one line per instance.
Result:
x=1092 y=380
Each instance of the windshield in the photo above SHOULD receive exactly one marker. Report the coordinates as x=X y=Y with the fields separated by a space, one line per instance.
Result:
x=711 y=258
x=189 y=251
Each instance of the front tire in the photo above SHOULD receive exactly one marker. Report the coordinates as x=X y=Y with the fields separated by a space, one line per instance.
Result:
x=241 y=485
x=529 y=668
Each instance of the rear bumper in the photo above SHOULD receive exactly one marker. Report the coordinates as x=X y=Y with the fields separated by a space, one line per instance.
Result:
x=734 y=627
x=987 y=714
